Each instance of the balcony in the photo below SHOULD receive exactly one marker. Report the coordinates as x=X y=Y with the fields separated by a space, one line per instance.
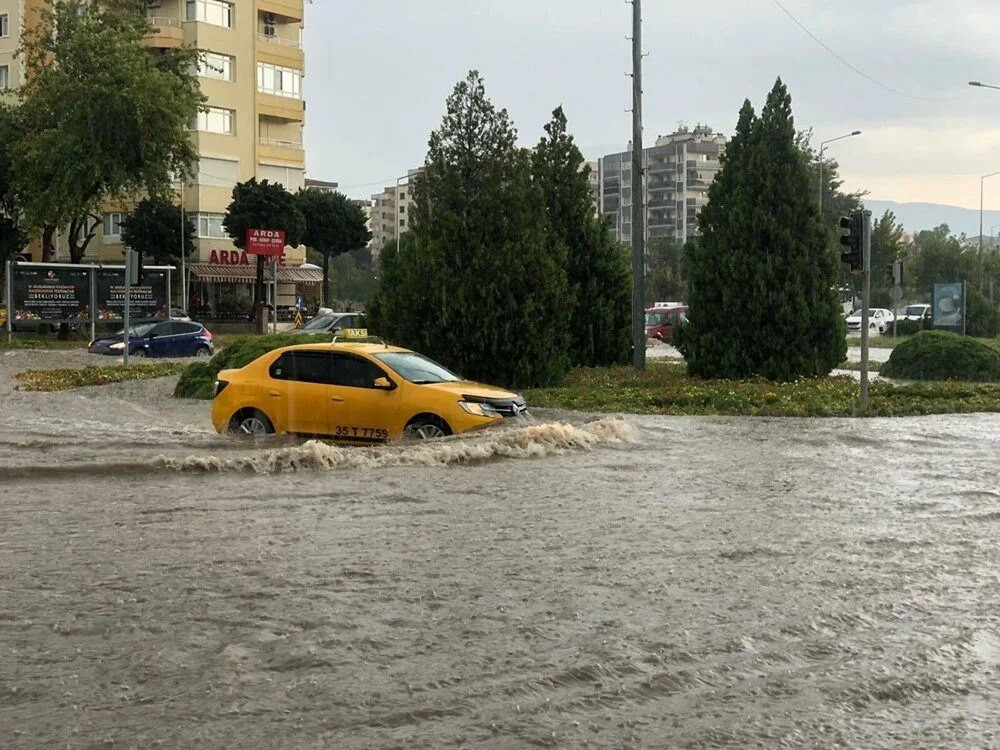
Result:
x=281 y=107
x=286 y=151
x=289 y=9
x=167 y=33
x=280 y=50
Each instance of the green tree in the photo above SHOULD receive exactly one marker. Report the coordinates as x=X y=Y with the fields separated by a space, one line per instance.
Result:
x=334 y=225
x=667 y=278
x=762 y=298
x=153 y=230
x=887 y=246
x=105 y=118
x=594 y=311
x=12 y=237
x=470 y=286
x=263 y=205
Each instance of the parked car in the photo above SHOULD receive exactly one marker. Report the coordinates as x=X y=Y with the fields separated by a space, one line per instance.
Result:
x=879 y=320
x=355 y=393
x=661 y=320
x=916 y=313
x=173 y=338
x=332 y=323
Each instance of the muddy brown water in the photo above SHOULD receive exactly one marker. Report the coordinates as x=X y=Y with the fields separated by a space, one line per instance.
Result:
x=574 y=582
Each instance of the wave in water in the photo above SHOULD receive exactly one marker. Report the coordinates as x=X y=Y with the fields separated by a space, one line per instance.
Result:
x=534 y=441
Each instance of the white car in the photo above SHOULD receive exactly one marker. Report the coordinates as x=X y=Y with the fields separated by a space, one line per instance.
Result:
x=916 y=313
x=879 y=320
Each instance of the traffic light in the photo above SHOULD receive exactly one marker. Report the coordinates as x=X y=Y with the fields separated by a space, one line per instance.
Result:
x=854 y=224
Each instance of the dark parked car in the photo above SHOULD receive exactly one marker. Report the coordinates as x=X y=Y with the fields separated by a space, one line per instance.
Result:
x=172 y=338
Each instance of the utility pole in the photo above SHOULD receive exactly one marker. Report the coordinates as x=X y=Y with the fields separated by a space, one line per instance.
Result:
x=638 y=199
x=184 y=294
x=866 y=284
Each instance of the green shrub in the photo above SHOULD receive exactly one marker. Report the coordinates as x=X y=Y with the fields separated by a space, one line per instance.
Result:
x=198 y=380
x=937 y=355
x=908 y=327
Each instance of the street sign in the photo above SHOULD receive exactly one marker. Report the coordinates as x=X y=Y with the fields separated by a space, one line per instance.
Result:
x=269 y=242
x=896 y=292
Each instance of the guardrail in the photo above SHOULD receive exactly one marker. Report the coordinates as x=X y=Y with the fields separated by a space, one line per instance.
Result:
x=281 y=144
x=280 y=40
x=161 y=21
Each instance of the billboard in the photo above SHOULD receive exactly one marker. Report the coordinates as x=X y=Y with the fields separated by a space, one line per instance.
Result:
x=265 y=242
x=51 y=293
x=148 y=299
x=949 y=304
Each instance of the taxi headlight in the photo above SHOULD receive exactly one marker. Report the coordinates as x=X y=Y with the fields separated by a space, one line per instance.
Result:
x=119 y=345
x=479 y=410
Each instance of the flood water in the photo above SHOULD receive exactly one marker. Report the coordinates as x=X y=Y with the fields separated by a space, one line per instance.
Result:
x=573 y=582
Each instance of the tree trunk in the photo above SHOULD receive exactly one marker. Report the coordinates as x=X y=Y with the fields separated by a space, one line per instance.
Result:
x=326 y=279
x=48 y=244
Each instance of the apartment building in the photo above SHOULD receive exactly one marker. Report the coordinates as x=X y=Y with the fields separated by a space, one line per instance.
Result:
x=677 y=172
x=250 y=67
x=391 y=212
x=594 y=178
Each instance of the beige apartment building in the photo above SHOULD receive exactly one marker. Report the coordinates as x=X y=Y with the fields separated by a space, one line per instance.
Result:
x=391 y=212
x=250 y=67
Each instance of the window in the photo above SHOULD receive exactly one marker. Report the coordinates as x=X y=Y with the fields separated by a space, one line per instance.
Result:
x=4 y=77
x=4 y=25
x=224 y=173
x=402 y=196
x=402 y=209
x=113 y=226
x=214 y=120
x=272 y=79
x=209 y=225
x=302 y=367
x=214 y=65
x=402 y=222
x=214 y=12
x=291 y=177
x=354 y=372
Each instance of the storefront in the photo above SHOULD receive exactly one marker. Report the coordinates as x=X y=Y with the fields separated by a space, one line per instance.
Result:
x=222 y=289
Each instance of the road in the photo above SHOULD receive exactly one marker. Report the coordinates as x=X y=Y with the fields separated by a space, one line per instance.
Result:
x=642 y=583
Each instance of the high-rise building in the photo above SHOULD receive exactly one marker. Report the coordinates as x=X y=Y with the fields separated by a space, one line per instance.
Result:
x=392 y=212
x=250 y=66
x=678 y=170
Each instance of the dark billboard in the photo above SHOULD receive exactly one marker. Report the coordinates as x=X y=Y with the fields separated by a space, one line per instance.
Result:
x=148 y=299
x=52 y=293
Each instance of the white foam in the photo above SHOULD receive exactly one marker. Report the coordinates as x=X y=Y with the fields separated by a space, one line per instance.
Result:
x=533 y=441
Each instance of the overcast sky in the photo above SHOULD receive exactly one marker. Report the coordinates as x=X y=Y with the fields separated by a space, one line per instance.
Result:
x=378 y=73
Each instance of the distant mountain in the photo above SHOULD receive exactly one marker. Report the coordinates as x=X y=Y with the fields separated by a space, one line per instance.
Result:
x=918 y=216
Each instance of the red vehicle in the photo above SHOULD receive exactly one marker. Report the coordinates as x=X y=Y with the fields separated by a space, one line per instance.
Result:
x=662 y=318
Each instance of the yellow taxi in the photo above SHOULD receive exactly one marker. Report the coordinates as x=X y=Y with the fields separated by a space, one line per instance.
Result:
x=355 y=392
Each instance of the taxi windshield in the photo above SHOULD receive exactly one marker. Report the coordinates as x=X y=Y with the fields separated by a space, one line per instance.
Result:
x=417 y=368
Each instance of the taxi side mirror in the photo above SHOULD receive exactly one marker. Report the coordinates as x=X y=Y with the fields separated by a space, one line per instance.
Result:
x=384 y=384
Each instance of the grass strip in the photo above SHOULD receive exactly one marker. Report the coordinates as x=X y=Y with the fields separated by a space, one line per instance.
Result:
x=666 y=389
x=79 y=377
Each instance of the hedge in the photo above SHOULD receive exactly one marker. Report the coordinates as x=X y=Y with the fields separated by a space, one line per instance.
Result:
x=938 y=355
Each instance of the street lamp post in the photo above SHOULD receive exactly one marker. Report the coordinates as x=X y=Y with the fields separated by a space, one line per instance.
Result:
x=822 y=148
x=982 y=268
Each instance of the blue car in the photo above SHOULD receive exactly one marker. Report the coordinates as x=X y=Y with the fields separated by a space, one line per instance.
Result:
x=168 y=338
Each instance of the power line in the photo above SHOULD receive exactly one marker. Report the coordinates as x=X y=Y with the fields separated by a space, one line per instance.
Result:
x=857 y=70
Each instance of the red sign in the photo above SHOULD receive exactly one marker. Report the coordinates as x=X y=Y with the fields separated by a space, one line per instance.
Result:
x=234 y=258
x=265 y=242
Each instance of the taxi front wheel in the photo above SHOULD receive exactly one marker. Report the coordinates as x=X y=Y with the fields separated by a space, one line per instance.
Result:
x=426 y=428
x=250 y=422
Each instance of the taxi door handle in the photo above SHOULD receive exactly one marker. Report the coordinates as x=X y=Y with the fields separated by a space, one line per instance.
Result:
x=338 y=399
x=274 y=394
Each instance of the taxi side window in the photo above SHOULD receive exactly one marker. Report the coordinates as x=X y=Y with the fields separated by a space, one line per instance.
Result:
x=302 y=367
x=355 y=372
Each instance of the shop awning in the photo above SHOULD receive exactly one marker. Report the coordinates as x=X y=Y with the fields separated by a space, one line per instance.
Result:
x=227 y=274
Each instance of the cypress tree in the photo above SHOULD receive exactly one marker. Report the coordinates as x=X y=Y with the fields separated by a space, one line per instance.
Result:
x=478 y=284
x=763 y=298
x=597 y=319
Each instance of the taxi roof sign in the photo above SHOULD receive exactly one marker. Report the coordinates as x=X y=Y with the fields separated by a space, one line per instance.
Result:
x=354 y=333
